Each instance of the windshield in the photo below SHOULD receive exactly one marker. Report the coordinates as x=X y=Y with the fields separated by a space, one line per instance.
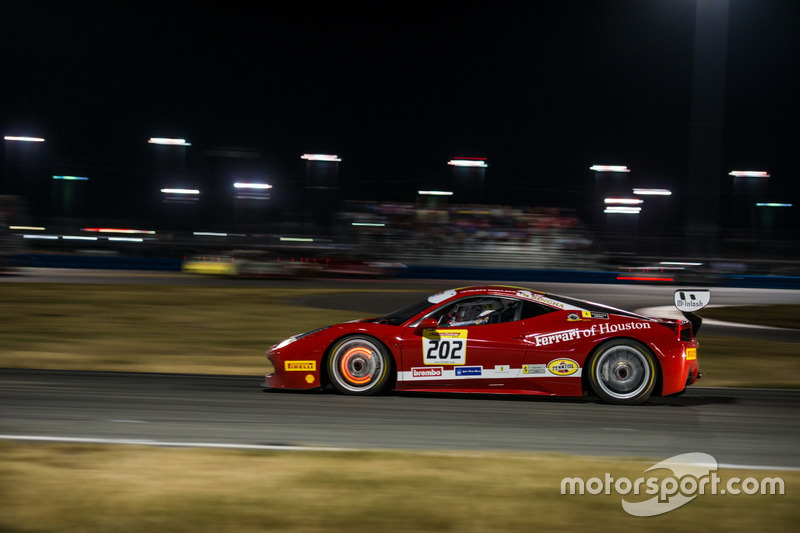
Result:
x=402 y=315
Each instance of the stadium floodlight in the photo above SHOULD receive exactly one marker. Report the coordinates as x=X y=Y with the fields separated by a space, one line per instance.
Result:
x=181 y=191
x=23 y=139
x=652 y=192
x=78 y=238
x=609 y=168
x=624 y=201
x=254 y=186
x=623 y=210
x=71 y=178
x=168 y=141
x=320 y=157
x=772 y=204
x=748 y=174
x=435 y=193
x=479 y=162
x=369 y=224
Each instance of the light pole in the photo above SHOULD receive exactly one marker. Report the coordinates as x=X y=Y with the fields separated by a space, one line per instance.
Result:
x=469 y=176
x=249 y=201
x=24 y=172
x=321 y=196
x=748 y=188
x=609 y=181
x=170 y=169
x=69 y=195
x=706 y=127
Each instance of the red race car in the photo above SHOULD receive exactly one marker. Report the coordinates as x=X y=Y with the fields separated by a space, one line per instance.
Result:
x=498 y=339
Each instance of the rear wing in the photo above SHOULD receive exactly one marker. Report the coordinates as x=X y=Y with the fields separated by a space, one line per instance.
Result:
x=690 y=300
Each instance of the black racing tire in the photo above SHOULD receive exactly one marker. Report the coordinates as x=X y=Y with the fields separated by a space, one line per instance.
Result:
x=623 y=371
x=359 y=365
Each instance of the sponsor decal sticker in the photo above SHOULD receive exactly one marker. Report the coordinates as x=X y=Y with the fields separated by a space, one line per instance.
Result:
x=563 y=367
x=300 y=366
x=561 y=336
x=691 y=354
x=444 y=346
x=587 y=315
x=596 y=329
x=534 y=369
x=502 y=369
x=547 y=301
x=469 y=371
x=309 y=378
x=691 y=300
x=427 y=372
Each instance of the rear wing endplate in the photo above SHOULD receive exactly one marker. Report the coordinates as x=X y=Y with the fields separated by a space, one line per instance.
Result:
x=690 y=300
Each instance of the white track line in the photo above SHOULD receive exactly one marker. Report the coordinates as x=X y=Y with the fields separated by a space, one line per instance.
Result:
x=149 y=442
x=276 y=447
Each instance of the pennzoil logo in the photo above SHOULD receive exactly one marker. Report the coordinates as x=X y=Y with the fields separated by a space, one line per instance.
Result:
x=563 y=367
x=300 y=366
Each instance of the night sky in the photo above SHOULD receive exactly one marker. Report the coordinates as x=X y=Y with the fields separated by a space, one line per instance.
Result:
x=542 y=89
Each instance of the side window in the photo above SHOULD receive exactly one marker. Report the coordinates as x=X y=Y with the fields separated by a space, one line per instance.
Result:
x=533 y=309
x=482 y=310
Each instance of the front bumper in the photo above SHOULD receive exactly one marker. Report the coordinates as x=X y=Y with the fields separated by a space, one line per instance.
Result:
x=292 y=374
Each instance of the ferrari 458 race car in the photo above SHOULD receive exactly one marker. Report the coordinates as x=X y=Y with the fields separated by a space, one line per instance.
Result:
x=497 y=339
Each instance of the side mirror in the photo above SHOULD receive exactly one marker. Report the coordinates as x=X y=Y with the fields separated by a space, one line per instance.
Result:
x=428 y=323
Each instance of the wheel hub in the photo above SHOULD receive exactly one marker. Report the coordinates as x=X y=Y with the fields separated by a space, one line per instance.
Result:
x=622 y=371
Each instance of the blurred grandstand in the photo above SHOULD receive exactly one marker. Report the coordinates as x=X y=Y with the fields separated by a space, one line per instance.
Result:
x=374 y=233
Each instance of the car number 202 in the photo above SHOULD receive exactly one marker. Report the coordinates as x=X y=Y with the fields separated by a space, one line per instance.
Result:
x=445 y=347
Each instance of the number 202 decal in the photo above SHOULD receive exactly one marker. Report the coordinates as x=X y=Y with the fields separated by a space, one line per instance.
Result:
x=445 y=347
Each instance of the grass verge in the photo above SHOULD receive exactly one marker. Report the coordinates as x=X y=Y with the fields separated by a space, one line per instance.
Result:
x=185 y=329
x=87 y=488
x=779 y=316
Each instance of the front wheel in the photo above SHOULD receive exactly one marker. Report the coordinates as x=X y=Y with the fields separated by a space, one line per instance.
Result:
x=623 y=371
x=359 y=365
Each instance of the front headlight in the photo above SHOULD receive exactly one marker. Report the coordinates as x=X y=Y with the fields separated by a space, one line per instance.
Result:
x=295 y=337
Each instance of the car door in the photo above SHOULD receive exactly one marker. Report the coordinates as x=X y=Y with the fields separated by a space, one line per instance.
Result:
x=481 y=352
x=557 y=348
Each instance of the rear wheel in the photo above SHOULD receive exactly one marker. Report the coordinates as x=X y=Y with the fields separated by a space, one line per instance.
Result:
x=623 y=371
x=359 y=365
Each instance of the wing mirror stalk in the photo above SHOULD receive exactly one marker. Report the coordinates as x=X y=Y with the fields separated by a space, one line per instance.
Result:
x=428 y=323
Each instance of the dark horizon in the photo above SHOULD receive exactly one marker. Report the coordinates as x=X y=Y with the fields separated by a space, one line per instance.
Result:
x=542 y=91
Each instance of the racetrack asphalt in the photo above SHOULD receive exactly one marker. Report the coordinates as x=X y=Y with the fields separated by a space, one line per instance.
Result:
x=736 y=426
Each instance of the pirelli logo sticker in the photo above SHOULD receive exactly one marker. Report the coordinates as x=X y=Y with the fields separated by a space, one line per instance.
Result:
x=300 y=366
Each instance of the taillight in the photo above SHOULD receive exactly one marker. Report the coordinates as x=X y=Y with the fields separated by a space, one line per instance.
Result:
x=681 y=328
